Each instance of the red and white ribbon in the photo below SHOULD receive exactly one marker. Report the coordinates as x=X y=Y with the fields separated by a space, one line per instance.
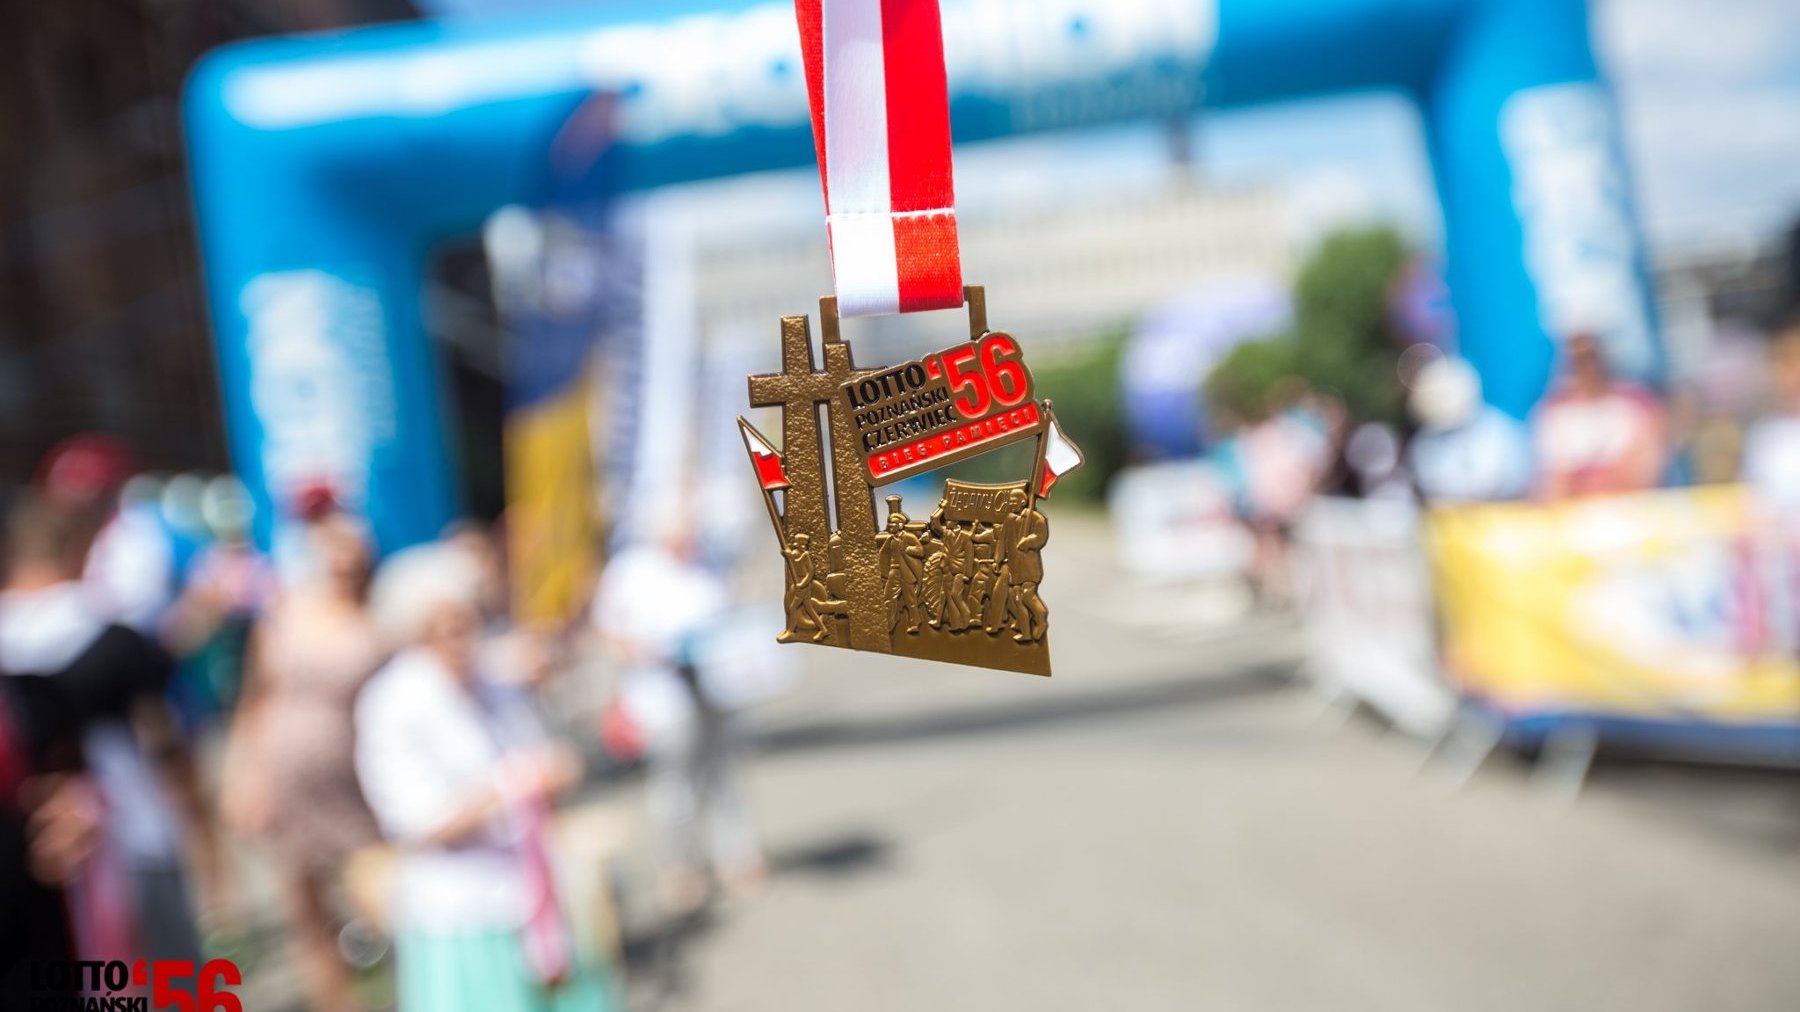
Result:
x=881 y=123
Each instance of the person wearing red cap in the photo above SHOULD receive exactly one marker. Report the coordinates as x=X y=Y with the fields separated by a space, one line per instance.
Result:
x=130 y=573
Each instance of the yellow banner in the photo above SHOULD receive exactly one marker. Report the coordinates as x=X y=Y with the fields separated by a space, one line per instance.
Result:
x=551 y=527
x=1665 y=604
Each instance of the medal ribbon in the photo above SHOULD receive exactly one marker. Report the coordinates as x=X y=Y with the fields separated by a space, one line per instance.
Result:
x=881 y=124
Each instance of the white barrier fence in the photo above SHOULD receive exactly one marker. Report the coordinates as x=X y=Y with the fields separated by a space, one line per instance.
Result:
x=1363 y=587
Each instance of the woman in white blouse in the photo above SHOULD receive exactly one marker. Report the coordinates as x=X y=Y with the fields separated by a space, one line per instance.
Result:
x=458 y=774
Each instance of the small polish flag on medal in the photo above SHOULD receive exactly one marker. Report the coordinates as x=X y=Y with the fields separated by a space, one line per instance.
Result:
x=1061 y=455
x=766 y=459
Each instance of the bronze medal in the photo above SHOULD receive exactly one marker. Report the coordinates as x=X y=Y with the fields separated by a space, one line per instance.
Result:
x=960 y=585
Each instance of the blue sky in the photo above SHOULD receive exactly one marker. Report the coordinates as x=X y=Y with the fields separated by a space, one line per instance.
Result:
x=1709 y=95
x=1710 y=91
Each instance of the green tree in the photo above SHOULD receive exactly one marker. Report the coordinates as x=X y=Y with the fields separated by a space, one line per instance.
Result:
x=1084 y=387
x=1242 y=383
x=1340 y=340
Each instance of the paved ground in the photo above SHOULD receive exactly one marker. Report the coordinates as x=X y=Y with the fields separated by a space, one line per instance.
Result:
x=1172 y=823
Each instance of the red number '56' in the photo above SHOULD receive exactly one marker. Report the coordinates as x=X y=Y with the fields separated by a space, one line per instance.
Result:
x=973 y=402
x=1007 y=379
x=206 y=996
x=206 y=992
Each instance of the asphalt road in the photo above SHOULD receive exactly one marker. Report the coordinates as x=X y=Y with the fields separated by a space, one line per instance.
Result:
x=1173 y=822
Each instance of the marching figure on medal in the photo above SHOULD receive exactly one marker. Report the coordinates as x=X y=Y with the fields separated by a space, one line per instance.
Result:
x=959 y=565
x=807 y=599
x=902 y=568
x=934 y=585
x=1024 y=569
x=988 y=602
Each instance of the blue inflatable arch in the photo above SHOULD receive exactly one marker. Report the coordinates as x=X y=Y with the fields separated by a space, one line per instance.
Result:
x=326 y=169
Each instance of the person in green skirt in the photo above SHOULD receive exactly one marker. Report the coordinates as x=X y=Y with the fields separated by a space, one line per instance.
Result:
x=459 y=774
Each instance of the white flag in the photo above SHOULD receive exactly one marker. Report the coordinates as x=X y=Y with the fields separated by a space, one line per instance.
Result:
x=1060 y=454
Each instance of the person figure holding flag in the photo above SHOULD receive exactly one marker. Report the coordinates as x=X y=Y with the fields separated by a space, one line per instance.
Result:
x=805 y=592
x=1027 y=530
x=1023 y=569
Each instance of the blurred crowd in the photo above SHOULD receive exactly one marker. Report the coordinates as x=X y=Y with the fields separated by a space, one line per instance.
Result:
x=171 y=698
x=1594 y=433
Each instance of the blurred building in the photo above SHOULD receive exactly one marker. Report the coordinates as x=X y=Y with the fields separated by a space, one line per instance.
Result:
x=1710 y=294
x=1053 y=274
x=1755 y=283
x=101 y=320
